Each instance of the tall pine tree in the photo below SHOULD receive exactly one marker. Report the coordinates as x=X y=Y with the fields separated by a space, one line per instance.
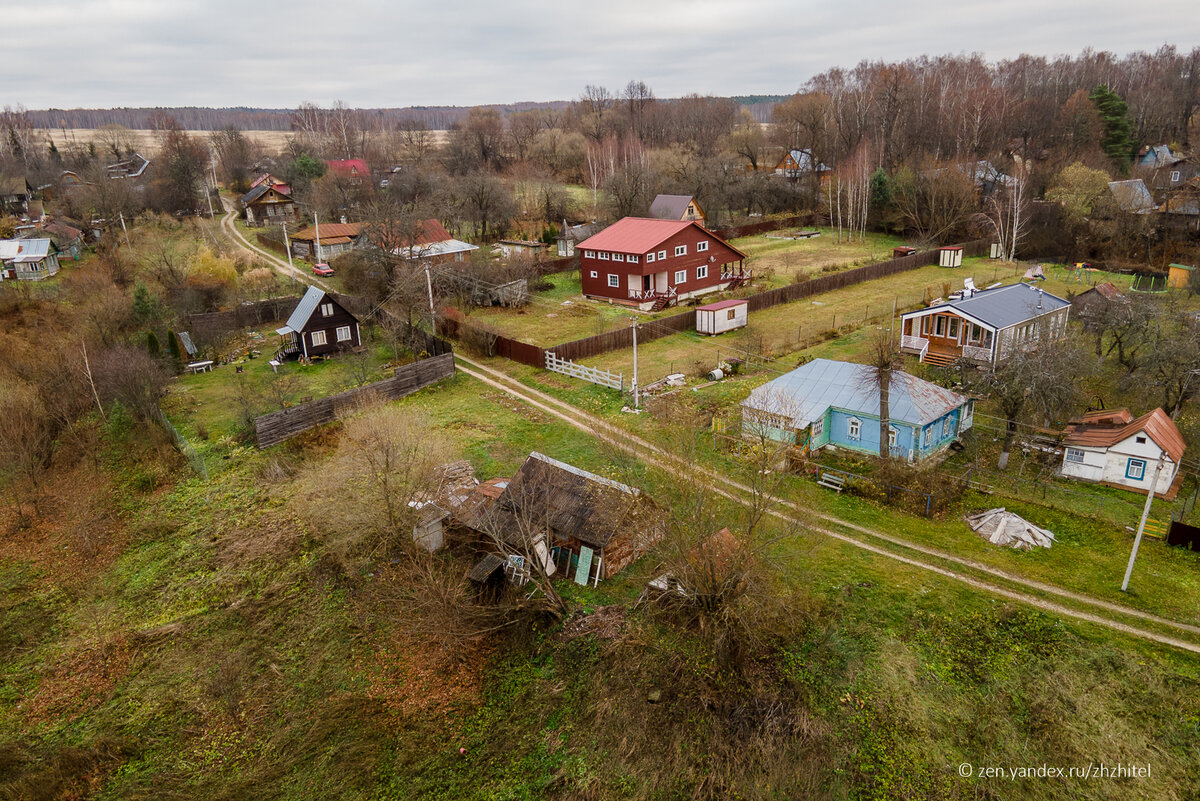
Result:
x=1114 y=115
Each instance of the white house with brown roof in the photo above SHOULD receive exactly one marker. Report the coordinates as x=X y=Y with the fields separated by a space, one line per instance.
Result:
x=1112 y=448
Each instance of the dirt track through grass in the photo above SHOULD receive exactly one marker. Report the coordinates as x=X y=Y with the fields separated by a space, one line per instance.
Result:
x=655 y=456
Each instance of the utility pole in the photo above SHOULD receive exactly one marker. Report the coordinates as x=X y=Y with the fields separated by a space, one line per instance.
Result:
x=288 y=249
x=432 y=314
x=317 y=228
x=1137 y=540
x=635 y=372
x=126 y=230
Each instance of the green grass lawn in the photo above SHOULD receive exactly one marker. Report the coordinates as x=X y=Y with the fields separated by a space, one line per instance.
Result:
x=779 y=262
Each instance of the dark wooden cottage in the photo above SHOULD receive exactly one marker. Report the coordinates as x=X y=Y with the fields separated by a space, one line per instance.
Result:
x=319 y=326
x=577 y=523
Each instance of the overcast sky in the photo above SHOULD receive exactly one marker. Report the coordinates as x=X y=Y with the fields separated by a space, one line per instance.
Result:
x=373 y=53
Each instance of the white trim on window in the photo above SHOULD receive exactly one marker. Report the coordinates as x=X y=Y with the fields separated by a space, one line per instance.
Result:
x=594 y=274
x=1074 y=455
x=342 y=333
x=326 y=309
x=818 y=427
x=650 y=258
x=604 y=255
x=701 y=246
x=854 y=429
x=590 y=254
x=1174 y=176
x=681 y=250
x=893 y=432
x=317 y=338
x=618 y=257
x=631 y=259
x=702 y=272
x=662 y=254
x=681 y=276
x=614 y=280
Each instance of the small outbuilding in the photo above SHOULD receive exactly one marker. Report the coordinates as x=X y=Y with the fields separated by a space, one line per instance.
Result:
x=950 y=256
x=1178 y=275
x=725 y=315
x=902 y=251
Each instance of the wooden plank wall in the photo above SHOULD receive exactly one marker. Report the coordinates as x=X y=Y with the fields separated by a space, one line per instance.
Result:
x=273 y=428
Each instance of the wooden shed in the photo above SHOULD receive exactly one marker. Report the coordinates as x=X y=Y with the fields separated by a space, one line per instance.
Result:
x=950 y=256
x=902 y=251
x=594 y=526
x=1178 y=275
x=725 y=315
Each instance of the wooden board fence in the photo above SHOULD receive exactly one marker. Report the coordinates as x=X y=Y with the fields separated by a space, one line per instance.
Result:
x=593 y=374
x=273 y=428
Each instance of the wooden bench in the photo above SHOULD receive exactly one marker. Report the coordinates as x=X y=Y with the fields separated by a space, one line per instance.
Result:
x=200 y=367
x=832 y=480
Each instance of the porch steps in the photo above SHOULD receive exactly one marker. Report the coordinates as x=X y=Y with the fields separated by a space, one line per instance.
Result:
x=939 y=359
x=660 y=303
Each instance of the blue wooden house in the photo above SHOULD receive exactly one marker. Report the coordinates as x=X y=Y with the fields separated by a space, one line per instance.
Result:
x=829 y=403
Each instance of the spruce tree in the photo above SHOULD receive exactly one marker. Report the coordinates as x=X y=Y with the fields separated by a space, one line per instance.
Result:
x=1117 y=141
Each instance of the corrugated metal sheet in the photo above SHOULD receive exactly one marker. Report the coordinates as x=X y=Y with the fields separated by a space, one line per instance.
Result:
x=1132 y=195
x=328 y=232
x=23 y=250
x=1007 y=305
x=304 y=309
x=806 y=393
x=634 y=235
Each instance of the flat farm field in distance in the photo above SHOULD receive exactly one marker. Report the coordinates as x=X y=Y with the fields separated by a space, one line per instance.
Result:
x=146 y=142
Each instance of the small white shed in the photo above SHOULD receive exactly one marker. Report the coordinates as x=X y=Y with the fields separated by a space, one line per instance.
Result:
x=950 y=256
x=726 y=315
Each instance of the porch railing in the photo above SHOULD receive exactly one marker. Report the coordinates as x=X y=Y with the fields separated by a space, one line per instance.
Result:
x=919 y=344
x=977 y=354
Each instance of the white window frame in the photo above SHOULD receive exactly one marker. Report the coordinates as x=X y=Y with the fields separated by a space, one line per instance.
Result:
x=632 y=259
x=681 y=250
x=680 y=277
x=946 y=428
x=702 y=272
x=594 y=274
x=701 y=246
x=342 y=333
x=317 y=338
x=939 y=326
x=1139 y=473
x=854 y=429
x=650 y=258
x=1174 y=176
x=326 y=309
x=818 y=427
x=1074 y=456
x=603 y=255
x=893 y=433
x=614 y=280
x=662 y=254
x=618 y=257
x=589 y=254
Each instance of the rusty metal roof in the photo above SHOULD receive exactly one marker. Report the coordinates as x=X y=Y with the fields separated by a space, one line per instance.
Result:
x=1098 y=433
x=806 y=393
x=329 y=231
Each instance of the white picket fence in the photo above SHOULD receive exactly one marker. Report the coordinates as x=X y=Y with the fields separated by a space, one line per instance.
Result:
x=592 y=374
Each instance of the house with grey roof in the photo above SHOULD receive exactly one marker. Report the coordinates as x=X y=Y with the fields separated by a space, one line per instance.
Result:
x=799 y=163
x=836 y=404
x=983 y=325
x=1132 y=196
x=28 y=259
x=319 y=326
x=677 y=207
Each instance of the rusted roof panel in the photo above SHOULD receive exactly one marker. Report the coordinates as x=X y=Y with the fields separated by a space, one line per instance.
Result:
x=1157 y=425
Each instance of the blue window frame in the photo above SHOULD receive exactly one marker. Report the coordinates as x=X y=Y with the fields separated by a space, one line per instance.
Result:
x=1135 y=469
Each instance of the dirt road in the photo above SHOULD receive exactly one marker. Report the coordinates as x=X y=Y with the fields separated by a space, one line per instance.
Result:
x=279 y=265
x=974 y=574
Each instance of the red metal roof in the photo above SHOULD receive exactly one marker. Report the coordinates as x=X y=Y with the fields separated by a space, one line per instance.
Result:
x=1156 y=424
x=349 y=166
x=432 y=231
x=722 y=304
x=642 y=234
x=329 y=231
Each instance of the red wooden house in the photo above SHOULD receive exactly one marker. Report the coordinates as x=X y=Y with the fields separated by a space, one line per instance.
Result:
x=653 y=263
